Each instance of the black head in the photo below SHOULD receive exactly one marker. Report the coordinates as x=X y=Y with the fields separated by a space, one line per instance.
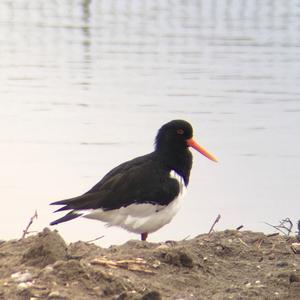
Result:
x=173 y=136
x=172 y=142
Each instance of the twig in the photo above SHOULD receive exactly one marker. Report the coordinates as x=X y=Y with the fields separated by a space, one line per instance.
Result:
x=240 y=227
x=276 y=227
x=25 y=231
x=259 y=242
x=273 y=234
x=288 y=227
x=138 y=264
x=285 y=226
x=243 y=242
x=214 y=223
x=187 y=237
x=96 y=239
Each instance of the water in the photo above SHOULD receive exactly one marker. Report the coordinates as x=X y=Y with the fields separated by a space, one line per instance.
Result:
x=84 y=85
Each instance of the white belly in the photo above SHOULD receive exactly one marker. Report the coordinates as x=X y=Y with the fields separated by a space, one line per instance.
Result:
x=140 y=218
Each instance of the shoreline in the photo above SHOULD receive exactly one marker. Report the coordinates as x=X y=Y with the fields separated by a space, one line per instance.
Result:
x=228 y=264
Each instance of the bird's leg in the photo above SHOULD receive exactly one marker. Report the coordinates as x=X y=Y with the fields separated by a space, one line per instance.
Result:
x=144 y=236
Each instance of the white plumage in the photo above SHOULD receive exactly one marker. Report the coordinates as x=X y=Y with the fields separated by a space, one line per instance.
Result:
x=140 y=218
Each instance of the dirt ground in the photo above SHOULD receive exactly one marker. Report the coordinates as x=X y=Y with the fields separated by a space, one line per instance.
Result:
x=223 y=265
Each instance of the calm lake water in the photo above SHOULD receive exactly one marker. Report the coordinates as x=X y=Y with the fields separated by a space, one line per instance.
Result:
x=84 y=86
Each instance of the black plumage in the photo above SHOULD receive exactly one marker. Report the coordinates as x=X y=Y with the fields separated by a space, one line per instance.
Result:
x=142 y=180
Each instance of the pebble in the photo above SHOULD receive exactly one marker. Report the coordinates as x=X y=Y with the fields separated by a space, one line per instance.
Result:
x=24 y=286
x=294 y=278
x=21 y=277
x=282 y=264
x=56 y=295
x=154 y=295
x=163 y=247
x=156 y=264
x=48 y=269
x=271 y=256
x=296 y=248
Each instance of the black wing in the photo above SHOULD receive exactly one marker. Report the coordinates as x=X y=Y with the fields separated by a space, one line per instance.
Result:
x=142 y=180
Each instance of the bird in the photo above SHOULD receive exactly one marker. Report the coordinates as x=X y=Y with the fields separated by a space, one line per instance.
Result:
x=143 y=194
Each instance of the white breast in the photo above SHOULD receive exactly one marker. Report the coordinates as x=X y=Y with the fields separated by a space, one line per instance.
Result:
x=180 y=180
x=140 y=218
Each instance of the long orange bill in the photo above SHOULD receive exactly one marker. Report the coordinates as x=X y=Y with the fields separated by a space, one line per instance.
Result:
x=192 y=143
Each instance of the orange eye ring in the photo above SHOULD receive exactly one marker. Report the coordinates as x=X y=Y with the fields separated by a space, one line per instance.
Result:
x=180 y=131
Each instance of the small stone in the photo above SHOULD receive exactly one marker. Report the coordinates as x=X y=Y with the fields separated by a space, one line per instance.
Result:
x=56 y=295
x=163 y=247
x=296 y=248
x=294 y=278
x=48 y=269
x=24 y=286
x=154 y=295
x=271 y=256
x=21 y=277
x=282 y=264
x=156 y=264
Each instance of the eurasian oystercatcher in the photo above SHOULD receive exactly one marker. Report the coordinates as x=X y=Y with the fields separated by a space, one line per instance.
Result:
x=143 y=194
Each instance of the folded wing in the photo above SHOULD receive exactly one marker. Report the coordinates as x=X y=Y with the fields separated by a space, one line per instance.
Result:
x=139 y=181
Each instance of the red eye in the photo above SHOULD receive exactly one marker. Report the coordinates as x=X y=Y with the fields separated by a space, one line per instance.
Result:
x=180 y=131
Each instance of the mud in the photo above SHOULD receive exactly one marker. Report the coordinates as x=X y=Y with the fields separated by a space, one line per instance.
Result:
x=224 y=265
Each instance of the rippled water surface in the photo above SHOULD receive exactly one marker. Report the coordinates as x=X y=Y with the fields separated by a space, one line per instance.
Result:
x=84 y=85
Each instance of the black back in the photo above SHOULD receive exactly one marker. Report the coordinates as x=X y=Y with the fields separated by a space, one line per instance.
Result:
x=145 y=179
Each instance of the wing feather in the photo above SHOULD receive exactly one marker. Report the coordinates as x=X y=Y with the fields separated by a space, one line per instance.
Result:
x=142 y=180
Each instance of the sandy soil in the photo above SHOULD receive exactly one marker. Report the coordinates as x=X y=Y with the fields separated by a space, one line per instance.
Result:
x=224 y=265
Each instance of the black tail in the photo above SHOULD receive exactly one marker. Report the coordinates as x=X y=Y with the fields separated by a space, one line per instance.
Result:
x=83 y=202
x=69 y=216
x=68 y=204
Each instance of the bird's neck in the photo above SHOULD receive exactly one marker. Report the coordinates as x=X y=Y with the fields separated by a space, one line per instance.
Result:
x=179 y=161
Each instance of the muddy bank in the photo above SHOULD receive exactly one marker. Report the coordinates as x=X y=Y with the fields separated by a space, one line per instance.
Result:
x=223 y=265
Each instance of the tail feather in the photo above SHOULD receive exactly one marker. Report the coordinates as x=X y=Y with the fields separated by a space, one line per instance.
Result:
x=69 y=216
x=66 y=207
x=65 y=201
x=83 y=202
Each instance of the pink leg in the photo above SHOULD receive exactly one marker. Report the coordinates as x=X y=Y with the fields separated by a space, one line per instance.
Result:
x=144 y=236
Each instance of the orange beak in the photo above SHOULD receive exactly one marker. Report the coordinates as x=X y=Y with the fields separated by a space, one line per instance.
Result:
x=192 y=143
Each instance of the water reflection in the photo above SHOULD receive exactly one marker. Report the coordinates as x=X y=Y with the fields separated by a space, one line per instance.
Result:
x=85 y=84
